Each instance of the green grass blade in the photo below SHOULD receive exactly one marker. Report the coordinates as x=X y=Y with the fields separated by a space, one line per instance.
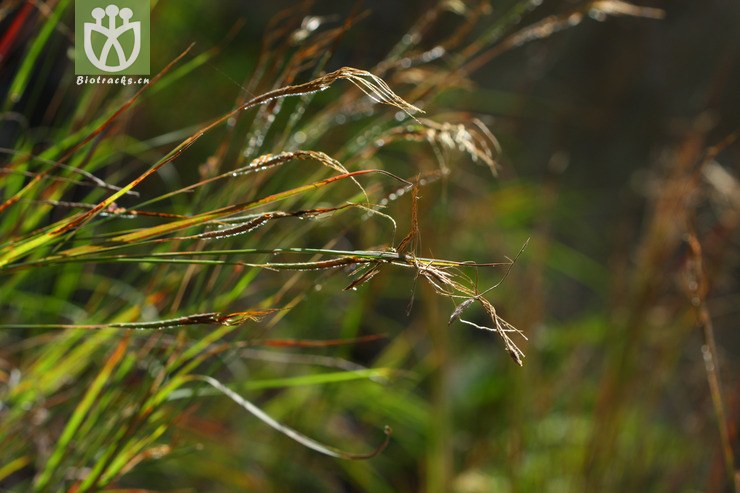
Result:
x=30 y=60
x=52 y=465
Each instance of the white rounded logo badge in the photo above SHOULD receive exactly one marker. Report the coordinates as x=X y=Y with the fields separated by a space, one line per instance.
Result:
x=112 y=57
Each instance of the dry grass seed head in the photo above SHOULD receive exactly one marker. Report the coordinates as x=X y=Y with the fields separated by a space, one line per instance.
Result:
x=472 y=138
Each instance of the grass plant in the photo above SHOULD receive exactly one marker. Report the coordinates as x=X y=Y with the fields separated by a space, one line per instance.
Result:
x=218 y=305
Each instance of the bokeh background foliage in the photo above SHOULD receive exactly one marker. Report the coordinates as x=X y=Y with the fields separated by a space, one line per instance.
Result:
x=610 y=131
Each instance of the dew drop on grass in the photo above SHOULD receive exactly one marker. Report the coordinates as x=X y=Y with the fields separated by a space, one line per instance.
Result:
x=410 y=38
x=433 y=54
x=311 y=23
x=597 y=15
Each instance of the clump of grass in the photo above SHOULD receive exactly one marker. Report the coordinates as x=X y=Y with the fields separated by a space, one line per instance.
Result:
x=98 y=270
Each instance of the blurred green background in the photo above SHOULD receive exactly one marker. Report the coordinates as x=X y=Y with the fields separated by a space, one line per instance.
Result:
x=614 y=154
